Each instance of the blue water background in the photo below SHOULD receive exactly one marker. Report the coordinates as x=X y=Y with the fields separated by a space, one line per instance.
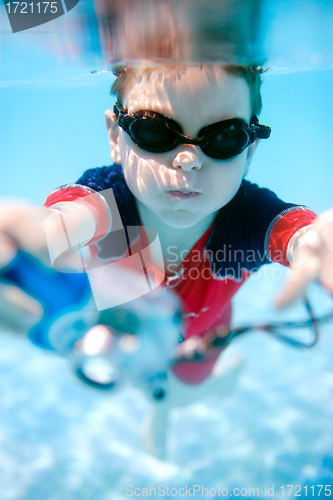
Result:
x=62 y=440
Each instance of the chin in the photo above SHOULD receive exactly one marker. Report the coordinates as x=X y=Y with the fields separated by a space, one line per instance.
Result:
x=180 y=221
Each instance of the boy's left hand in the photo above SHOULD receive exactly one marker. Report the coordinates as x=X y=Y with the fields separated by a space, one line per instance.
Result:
x=314 y=261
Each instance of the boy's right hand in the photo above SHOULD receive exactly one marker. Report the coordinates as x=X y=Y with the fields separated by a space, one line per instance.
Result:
x=37 y=231
x=22 y=227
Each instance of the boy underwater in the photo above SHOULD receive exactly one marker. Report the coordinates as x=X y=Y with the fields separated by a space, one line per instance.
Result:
x=182 y=139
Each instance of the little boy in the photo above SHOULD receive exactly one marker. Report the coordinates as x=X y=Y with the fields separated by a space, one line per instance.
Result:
x=182 y=139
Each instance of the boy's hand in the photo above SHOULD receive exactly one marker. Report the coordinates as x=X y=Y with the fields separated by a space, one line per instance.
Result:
x=314 y=261
x=21 y=227
x=36 y=231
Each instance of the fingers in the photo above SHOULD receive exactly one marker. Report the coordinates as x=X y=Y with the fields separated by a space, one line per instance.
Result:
x=326 y=277
x=24 y=226
x=20 y=227
x=7 y=250
x=306 y=269
x=18 y=311
x=314 y=261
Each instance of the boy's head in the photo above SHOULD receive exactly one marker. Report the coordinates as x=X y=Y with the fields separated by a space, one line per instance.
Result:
x=187 y=183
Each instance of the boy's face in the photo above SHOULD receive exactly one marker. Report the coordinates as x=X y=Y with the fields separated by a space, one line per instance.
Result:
x=161 y=182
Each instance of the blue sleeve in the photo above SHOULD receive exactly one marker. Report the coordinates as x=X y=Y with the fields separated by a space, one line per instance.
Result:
x=238 y=237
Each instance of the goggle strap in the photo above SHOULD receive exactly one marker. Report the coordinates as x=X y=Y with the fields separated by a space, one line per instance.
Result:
x=117 y=108
x=260 y=131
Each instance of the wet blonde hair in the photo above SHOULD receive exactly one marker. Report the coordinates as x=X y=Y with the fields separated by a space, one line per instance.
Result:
x=126 y=76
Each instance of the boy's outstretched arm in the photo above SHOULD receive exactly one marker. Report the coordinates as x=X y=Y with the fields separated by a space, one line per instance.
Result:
x=311 y=256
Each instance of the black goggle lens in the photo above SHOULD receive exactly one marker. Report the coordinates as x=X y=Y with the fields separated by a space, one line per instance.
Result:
x=150 y=134
x=227 y=142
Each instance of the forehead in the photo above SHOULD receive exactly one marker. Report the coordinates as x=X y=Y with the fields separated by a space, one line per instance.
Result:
x=191 y=95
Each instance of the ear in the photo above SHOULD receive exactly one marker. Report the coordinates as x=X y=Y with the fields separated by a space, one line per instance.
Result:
x=113 y=133
x=250 y=152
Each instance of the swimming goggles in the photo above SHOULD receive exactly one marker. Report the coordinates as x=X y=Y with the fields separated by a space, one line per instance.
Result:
x=158 y=133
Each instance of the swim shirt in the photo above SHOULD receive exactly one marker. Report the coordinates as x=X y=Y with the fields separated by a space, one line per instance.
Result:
x=253 y=229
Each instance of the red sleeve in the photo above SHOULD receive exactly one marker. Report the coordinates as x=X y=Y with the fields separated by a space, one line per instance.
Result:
x=91 y=199
x=282 y=228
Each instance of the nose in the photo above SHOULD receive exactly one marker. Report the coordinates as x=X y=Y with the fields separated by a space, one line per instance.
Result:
x=187 y=161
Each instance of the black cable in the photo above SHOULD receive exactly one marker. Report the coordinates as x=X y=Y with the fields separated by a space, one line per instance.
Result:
x=200 y=346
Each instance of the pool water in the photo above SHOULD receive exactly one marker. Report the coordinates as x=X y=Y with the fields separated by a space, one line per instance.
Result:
x=60 y=439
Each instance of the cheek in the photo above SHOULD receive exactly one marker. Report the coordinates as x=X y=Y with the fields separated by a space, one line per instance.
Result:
x=129 y=162
x=227 y=179
x=140 y=173
x=144 y=172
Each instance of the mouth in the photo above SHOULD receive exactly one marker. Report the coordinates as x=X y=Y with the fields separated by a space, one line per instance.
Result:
x=183 y=193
